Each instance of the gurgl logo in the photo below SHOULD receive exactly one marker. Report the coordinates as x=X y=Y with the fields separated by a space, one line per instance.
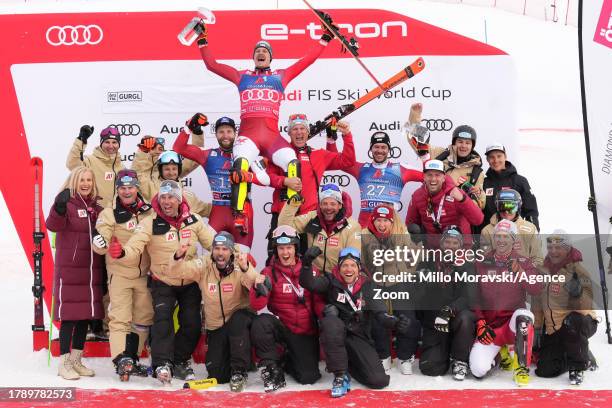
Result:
x=603 y=31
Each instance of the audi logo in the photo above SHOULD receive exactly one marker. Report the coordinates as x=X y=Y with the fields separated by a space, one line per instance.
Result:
x=74 y=35
x=395 y=152
x=438 y=124
x=267 y=207
x=268 y=95
x=127 y=130
x=340 y=179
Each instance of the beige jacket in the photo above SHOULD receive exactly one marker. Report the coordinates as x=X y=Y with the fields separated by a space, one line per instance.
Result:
x=528 y=245
x=221 y=296
x=104 y=167
x=161 y=240
x=345 y=234
x=120 y=223
x=556 y=302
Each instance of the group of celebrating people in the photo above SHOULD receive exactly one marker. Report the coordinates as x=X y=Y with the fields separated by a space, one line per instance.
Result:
x=134 y=233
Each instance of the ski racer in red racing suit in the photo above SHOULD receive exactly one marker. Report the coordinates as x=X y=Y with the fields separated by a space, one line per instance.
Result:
x=261 y=92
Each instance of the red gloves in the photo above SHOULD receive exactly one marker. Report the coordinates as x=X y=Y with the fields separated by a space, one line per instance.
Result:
x=484 y=332
x=115 y=249
x=146 y=144
x=239 y=176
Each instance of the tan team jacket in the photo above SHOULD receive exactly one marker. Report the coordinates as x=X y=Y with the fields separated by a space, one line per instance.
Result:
x=221 y=296
x=120 y=223
x=529 y=244
x=104 y=167
x=348 y=234
x=162 y=240
x=556 y=302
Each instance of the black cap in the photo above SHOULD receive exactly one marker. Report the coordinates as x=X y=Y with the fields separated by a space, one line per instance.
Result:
x=225 y=121
x=380 y=137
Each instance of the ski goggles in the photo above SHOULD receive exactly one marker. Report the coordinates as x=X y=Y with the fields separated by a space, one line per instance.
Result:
x=349 y=252
x=160 y=141
x=127 y=181
x=284 y=235
x=170 y=157
x=298 y=116
x=109 y=131
x=507 y=206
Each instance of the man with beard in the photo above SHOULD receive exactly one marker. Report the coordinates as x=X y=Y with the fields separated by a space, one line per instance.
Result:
x=381 y=181
x=224 y=279
x=217 y=164
x=161 y=235
x=328 y=227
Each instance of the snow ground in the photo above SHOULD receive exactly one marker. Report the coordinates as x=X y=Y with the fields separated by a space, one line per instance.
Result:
x=553 y=160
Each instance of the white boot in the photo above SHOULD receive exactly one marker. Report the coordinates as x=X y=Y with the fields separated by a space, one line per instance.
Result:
x=405 y=366
x=386 y=363
x=65 y=369
x=75 y=356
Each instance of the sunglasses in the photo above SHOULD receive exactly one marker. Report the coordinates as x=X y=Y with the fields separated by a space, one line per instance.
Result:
x=109 y=131
x=298 y=116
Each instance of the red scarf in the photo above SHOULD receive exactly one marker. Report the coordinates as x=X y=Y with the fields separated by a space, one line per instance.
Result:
x=183 y=213
x=573 y=256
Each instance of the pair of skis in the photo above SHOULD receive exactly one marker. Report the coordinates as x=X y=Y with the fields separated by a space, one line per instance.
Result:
x=352 y=46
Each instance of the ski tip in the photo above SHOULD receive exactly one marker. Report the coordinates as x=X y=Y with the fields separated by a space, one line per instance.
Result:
x=36 y=161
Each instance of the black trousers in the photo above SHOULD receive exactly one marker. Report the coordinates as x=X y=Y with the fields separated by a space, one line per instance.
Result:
x=75 y=332
x=406 y=343
x=301 y=358
x=229 y=347
x=166 y=346
x=567 y=348
x=437 y=348
x=347 y=351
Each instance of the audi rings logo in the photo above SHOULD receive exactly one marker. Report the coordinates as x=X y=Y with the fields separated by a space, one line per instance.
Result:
x=267 y=207
x=266 y=95
x=127 y=130
x=74 y=35
x=438 y=124
x=395 y=152
x=340 y=179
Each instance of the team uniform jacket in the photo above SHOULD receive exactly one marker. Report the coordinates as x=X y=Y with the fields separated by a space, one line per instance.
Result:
x=297 y=315
x=221 y=295
x=528 y=245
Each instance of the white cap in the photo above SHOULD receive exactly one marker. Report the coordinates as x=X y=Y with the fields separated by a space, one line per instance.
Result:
x=433 y=165
x=506 y=226
x=495 y=146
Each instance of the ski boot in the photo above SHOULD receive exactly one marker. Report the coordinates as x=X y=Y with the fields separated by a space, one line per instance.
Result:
x=238 y=381
x=273 y=378
x=124 y=366
x=459 y=370
x=405 y=366
x=521 y=373
x=576 y=377
x=183 y=371
x=505 y=362
x=341 y=385
x=164 y=373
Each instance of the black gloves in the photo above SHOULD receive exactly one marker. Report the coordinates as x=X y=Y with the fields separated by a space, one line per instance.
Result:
x=310 y=255
x=263 y=289
x=573 y=286
x=591 y=204
x=403 y=325
x=85 y=132
x=196 y=122
x=416 y=233
x=61 y=202
x=330 y=310
x=443 y=318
